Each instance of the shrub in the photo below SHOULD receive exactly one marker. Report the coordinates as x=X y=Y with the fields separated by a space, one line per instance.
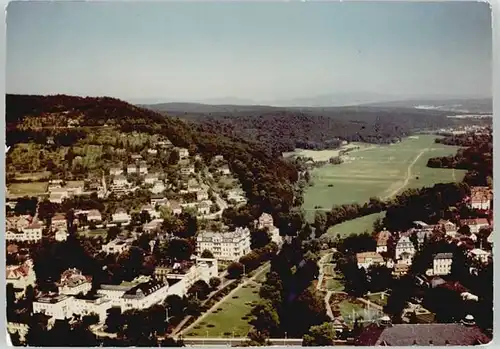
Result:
x=210 y=325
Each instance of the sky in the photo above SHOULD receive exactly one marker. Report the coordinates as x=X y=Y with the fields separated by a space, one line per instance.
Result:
x=256 y=52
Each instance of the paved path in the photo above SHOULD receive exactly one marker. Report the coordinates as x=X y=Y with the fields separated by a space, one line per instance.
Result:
x=329 y=311
x=408 y=176
x=258 y=272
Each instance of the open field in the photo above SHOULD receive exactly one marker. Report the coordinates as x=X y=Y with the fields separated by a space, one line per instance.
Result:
x=355 y=226
x=377 y=298
x=324 y=155
x=230 y=316
x=29 y=189
x=32 y=176
x=379 y=171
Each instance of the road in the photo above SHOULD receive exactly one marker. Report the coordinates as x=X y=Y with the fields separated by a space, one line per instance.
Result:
x=408 y=176
x=260 y=270
x=217 y=342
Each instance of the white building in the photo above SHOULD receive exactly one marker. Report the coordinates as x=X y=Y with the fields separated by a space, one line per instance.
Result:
x=367 y=259
x=61 y=235
x=404 y=245
x=139 y=296
x=132 y=168
x=152 y=151
x=224 y=170
x=56 y=306
x=151 y=178
x=450 y=228
x=143 y=168
x=475 y=225
x=265 y=221
x=115 y=246
x=442 y=263
x=121 y=216
x=72 y=282
x=158 y=187
x=31 y=234
x=115 y=171
x=201 y=195
x=481 y=198
x=203 y=208
x=183 y=153
x=120 y=181
x=94 y=216
x=97 y=304
x=229 y=246
x=479 y=254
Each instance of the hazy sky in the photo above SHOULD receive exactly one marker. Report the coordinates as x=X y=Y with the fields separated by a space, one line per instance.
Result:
x=258 y=51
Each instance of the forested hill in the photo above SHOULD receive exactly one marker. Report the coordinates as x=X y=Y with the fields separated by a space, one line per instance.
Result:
x=64 y=119
x=284 y=129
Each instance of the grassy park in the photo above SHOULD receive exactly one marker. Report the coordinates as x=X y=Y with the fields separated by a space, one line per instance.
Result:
x=378 y=171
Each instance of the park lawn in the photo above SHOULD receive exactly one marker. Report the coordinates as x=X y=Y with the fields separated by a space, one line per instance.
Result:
x=346 y=308
x=229 y=317
x=377 y=299
x=30 y=188
x=355 y=226
x=378 y=171
x=333 y=284
x=94 y=233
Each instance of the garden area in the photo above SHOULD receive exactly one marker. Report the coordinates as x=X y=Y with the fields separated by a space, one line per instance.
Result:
x=232 y=317
x=351 y=308
x=379 y=298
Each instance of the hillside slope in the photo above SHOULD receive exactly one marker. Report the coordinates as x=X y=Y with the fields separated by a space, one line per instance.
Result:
x=67 y=120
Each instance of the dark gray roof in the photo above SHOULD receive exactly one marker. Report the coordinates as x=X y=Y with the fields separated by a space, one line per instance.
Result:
x=435 y=334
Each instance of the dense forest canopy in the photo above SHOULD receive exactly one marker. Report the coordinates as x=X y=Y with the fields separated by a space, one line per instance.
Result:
x=284 y=129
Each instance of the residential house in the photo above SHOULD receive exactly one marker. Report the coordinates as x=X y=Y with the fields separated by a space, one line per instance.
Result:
x=183 y=153
x=203 y=208
x=406 y=258
x=132 y=168
x=176 y=207
x=21 y=276
x=151 y=178
x=186 y=171
x=201 y=195
x=481 y=198
x=121 y=216
x=136 y=157
x=94 y=216
x=383 y=240
x=475 y=224
x=120 y=181
x=116 y=246
x=400 y=269
x=152 y=151
x=442 y=263
x=224 y=170
x=158 y=187
x=19 y=223
x=265 y=221
x=228 y=245
x=59 y=222
x=61 y=235
x=480 y=255
x=159 y=200
x=143 y=168
x=75 y=188
x=155 y=224
x=404 y=245
x=450 y=228
x=72 y=282
x=53 y=305
x=366 y=259
x=115 y=171
x=33 y=232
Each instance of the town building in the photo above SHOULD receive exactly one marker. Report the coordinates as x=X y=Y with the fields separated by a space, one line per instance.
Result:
x=152 y=151
x=367 y=259
x=400 y=269
x=404 y=245
x=176 y=207
x=382 y=241
x=442 y=263
x=21 y=276
x=120 y=181
x=61 y=235
x=121 y=216
x=159 y=200
x=143 y=168
x=116 y=246
x=204 y=208
x=132 y=168
x=158 y=187
x=183 y=153
x=72 y=282
x=229 y=246
x=115 y=171
x=481 y=198
x=58 y=222
x=94 y=216
x=201 y=195
x=449 y=228
x=144 y=295
x=480 y=255
x=151 y=178
x=56 y=306
x=95 y=304
x=475 y=224
x=224 y=170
